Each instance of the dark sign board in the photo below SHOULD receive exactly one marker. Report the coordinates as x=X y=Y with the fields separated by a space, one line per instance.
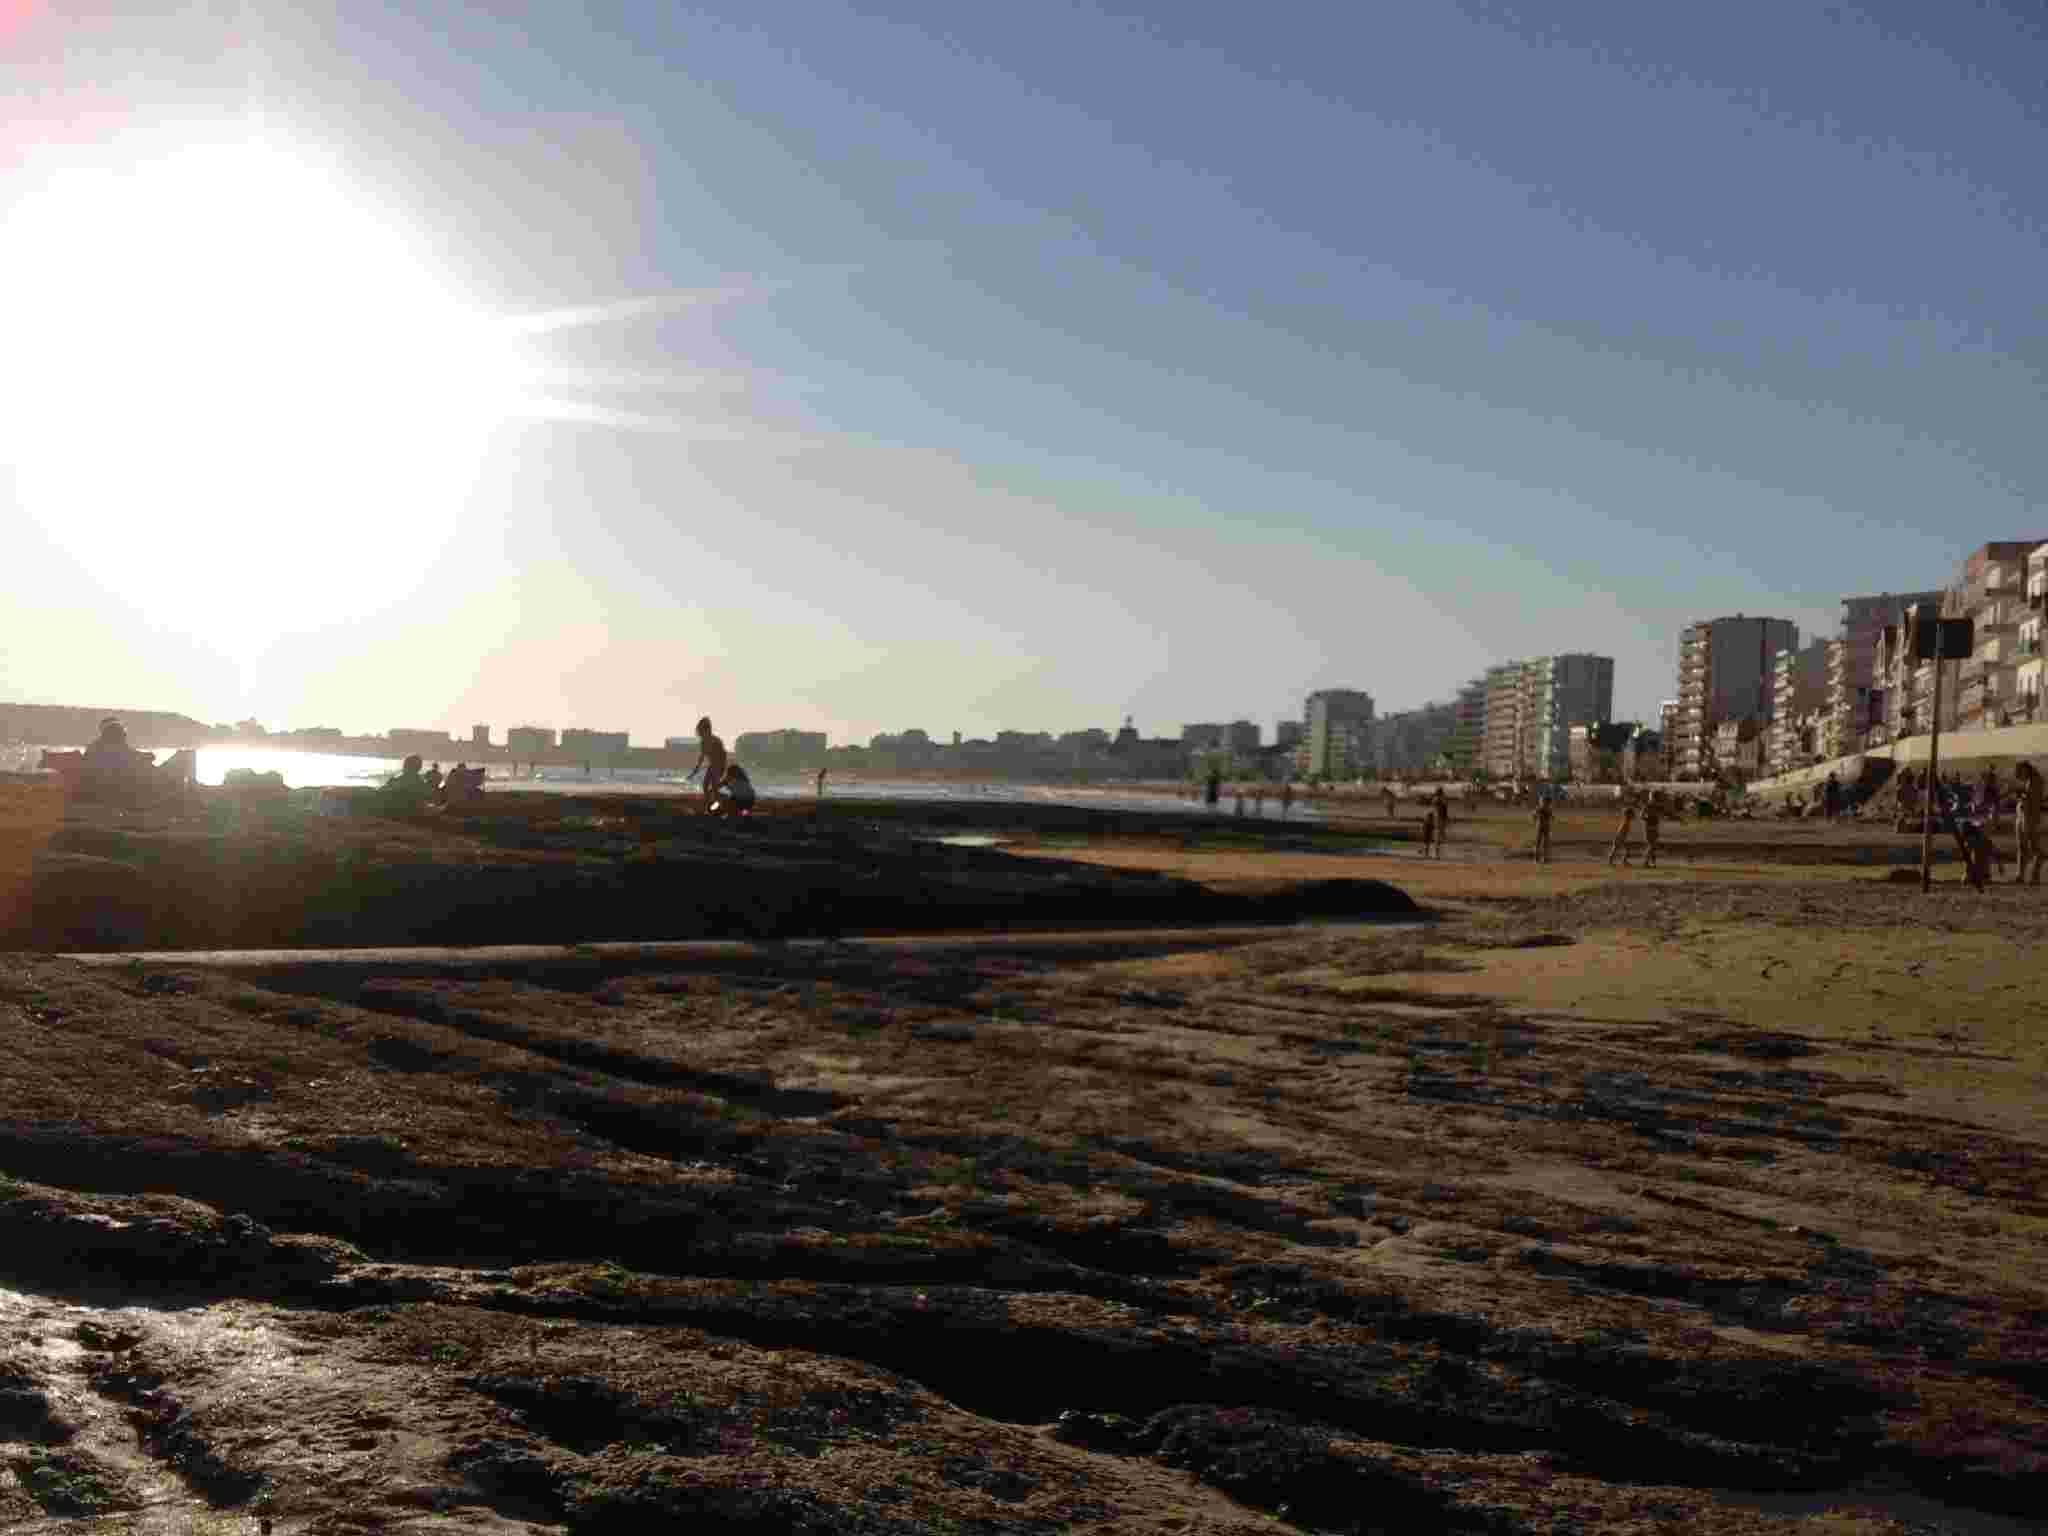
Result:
x=1958 y=637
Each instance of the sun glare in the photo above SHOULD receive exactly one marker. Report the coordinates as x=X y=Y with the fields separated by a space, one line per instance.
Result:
x=219 y=361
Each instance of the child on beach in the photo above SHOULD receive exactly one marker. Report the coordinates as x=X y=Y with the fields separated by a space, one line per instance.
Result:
x=1621 y=833
x=1543 y=814
x=1653 y=817
x=711 y=759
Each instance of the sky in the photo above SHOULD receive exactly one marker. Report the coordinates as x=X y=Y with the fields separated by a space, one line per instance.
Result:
x=998 y=367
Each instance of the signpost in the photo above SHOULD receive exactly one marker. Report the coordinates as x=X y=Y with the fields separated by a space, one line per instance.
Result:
x=1933 y=638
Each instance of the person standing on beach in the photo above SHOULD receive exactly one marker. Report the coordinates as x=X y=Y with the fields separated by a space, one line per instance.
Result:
x=1441 y=803
x=1653 y=817
x=2029 y=819
x=711 y=759
x=1430 y=842
x=1543 y=815
x=1387 y=794
x=1620 y=849
x=1213 y=790
x=1286 y=798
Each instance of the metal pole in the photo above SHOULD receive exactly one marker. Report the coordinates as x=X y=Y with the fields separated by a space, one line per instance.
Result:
x=1933 y=771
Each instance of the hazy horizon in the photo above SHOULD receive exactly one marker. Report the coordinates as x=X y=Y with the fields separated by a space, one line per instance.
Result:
x=862 y=367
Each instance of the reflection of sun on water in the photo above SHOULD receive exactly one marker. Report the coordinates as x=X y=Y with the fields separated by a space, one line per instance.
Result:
x=232 y=385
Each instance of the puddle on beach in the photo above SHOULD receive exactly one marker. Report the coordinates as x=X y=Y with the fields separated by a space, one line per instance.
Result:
x=110 y=1482
x=971 y=840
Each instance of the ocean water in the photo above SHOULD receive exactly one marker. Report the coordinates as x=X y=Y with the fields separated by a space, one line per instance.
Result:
x=315 y=770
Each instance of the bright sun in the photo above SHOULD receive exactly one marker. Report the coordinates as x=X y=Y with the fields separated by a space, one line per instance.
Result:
x=220 y=366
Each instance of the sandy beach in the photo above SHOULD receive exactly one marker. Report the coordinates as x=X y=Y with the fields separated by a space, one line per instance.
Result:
x=1580 y=1199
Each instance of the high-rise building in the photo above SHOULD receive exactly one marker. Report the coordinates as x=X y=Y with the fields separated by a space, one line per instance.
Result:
x=1799 y=685
x=1410 y=742
x=1531 y=707
x=1468 y=727
x=1855 y=689
x=1724 y=673
x=1338 y=732
x=1991 y=592
x=1202 y=738
x=1287 y=735
x=1241 y=738
x=1505 y=725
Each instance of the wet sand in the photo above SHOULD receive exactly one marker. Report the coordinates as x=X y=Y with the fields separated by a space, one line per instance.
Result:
x=1599 y=1200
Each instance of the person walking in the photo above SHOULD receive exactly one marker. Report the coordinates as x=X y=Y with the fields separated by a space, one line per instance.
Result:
x=1387 y=794
x=1543 y=815
x=1213 y=791
x=1830 y=799
x=1653 y=816
x=1286 y=798
x=1431 y=842
x=1441 y=802
x=1620 y=848
x=2029 y=819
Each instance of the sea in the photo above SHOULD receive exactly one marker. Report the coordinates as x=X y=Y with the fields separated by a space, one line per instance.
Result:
x=317 y=770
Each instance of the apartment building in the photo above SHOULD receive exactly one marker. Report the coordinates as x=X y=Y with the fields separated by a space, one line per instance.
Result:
x=1799 y=684
x=2029 y=675
x=1338 y=733
x=1991 y=592
x=1575 y=688
x=1505 y=724
x=1409 y=742
x=1724 y=673
x=1531 y=707
x=1855 y=713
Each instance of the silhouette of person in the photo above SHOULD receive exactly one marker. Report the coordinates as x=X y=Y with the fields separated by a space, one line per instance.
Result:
x=711 y=759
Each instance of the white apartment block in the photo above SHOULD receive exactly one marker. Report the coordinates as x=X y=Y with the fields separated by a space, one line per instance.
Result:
x=1531 y=707
x=1798 y=686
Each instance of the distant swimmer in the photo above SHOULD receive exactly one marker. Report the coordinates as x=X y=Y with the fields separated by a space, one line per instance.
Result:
x=711 y=760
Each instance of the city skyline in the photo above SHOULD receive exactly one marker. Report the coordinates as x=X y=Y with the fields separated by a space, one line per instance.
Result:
x=873 y=361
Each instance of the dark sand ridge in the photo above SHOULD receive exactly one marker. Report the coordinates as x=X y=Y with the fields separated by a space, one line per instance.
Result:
x=1600 y=1203
x=532 y=868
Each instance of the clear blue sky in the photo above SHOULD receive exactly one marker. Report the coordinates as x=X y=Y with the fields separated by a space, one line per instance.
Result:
x=1166 y=358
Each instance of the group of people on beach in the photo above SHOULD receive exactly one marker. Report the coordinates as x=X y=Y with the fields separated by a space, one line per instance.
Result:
x=414 y=789
x=727 y=789
x=1970 y=815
